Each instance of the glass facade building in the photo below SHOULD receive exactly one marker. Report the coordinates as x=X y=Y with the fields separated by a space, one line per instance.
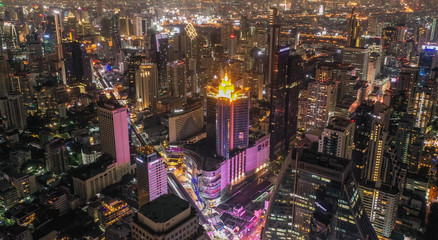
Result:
x=317 y=198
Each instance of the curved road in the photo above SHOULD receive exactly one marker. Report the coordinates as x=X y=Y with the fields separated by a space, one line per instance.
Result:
x=180 y=190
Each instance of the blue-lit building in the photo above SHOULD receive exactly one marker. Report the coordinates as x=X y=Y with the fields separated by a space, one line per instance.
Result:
x=232 y=117
x=428 y=60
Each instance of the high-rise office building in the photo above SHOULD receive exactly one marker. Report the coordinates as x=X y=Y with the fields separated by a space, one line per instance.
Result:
x=56 y=156
x=358 y=58
x=274 y=44
x=381 y=202
x=159 y=50
x=354 y=30
x=4 y=76
x=422 y=106
x=232 y=116
x=320 y=103
x=177 y=79
x=374 y=170
x=151 y=175
x=402 y=137
x=407 y=80
x=338 y=138
x=12 y=109
x=50 y=35
x=295 y=75
x=74 y=64
x=428 y=61
x=134 y=63
x=211 y=113
x=245 y=30
x=146 y=86
x=278 y=103
x=167 y=217
x=186 y=123
x=125 y=26
x=114 y=137
x=317 y=198
x=276 y=83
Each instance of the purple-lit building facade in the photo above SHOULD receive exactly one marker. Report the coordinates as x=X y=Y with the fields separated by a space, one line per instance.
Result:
x=114 y=136
x=215 y=179
x=238 y=158
x=151 y=175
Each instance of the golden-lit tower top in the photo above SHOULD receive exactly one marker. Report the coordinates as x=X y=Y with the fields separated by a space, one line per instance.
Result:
x=226 y=88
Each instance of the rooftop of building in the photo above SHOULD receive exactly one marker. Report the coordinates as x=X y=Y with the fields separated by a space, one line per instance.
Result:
x=248 y=194
x=100 y=165
x=13 y=230
x=338 y=65
x=255 y=136
x=110 y=105
x=5 y=186
x=360 y=84
x=53 y=193
x=145 y=150
x=346 y=102
x=339 y=123
x=380 y=186
x=325 y=160
x=56 y=143
x=200 y=231
x=91 y=149
x=192 y=105
x=164 y=208
x=204 y=154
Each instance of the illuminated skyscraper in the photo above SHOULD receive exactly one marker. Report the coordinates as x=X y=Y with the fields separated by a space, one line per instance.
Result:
x=159 y=49
x=232 y=116
x=113 y=124
x=283 y=79
x=428 y=61
x=134 y=63
x=274 y=43
x=354 y=30
x=279 y=104
x=146 y=86
x=374 y=170
x=151 y=175
x=52 y=41
x=177 y=79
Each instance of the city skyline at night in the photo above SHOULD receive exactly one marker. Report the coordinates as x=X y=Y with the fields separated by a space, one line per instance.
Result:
x=240 y=120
